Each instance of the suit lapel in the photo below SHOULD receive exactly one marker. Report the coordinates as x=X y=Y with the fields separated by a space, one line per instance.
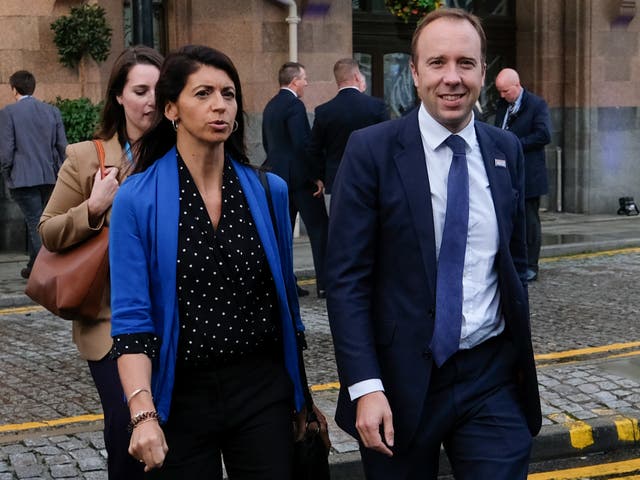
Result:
x=499 y=178
x=412 y=168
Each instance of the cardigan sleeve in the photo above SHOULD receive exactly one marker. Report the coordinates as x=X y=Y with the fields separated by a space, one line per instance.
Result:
x=131 y=303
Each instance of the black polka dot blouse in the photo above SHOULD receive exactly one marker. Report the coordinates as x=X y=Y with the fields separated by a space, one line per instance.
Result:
x=226 y=295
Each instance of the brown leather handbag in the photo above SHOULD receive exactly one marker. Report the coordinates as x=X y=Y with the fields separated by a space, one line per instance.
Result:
x=72 y=283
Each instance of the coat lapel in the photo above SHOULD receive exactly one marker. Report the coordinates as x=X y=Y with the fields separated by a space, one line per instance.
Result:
x=412 y=168
x=499 y=178
x=167 y=218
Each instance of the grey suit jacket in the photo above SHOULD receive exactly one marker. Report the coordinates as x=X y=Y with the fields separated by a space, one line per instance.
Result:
x=32 y=143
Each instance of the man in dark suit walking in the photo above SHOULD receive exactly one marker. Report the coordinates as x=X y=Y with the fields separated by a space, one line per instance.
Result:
x=32 y=149
x=527 y=116
x=285 y=136
x=335 y=120
x=426 y=266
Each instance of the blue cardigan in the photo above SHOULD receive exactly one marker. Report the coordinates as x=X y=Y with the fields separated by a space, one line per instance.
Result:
x=143 y=254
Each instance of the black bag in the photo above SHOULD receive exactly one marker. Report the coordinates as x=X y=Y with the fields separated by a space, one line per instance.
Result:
x=311 y=455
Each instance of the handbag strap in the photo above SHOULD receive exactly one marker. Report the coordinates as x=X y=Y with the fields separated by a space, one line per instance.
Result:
x=300 y=340
x=100 y=152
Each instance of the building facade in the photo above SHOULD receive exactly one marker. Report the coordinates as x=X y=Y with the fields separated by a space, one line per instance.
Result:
x=582 y=56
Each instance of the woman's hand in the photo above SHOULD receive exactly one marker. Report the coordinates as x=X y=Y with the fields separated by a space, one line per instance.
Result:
x=148 y=444
x=323 y=427
x=301 y=427
x=102 y=194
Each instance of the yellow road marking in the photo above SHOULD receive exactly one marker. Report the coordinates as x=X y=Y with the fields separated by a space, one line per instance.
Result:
x=325 y=386
x=603 y=253
x=627 y=466
x=627 y=429
x=29 y=309
x=50 y=423
x=586 y=351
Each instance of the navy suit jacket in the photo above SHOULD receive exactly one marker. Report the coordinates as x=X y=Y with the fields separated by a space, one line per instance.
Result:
x=32 y=143
x=381 y=267
x=532 y=126
x=285 y=136
x=335 y=120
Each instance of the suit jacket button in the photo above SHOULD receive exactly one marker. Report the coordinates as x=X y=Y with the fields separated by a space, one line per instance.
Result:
x=431 y=312
x=426 y=353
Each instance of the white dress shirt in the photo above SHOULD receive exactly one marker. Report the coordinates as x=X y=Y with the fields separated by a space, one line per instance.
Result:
x=481 y=297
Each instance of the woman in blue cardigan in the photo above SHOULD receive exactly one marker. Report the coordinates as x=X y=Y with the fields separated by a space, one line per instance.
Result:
x=203 y=288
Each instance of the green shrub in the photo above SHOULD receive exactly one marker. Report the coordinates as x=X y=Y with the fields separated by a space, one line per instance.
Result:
x=80 y=117
x=84 y=31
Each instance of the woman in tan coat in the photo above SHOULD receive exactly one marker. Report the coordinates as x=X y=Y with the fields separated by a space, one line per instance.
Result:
x=80 y=206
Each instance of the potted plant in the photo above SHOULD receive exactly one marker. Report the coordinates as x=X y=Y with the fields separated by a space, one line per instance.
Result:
x=412 y=9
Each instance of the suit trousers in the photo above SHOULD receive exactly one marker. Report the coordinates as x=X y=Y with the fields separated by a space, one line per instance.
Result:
x=472 y=409
x=116 y=418
x=534 y=232
x=242 y=413
x=314 y=216
x=32 y=201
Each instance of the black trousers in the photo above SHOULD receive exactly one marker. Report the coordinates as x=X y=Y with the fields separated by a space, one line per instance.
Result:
x=534 y=232
x=241 y=413
x=116 y=418
x=314 y=216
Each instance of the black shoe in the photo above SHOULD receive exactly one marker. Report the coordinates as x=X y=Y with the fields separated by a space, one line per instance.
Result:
x=322 y=293
x=301 y=291
x=25 y=272
x=532 y=276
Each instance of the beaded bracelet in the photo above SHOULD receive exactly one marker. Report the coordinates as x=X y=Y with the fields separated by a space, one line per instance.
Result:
x=136 y=392
x=142 y=416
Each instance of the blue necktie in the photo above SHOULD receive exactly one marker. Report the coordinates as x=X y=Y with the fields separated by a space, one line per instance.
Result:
x=446 y=334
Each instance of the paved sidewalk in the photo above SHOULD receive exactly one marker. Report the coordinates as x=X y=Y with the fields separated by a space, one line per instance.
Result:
x=590 y=404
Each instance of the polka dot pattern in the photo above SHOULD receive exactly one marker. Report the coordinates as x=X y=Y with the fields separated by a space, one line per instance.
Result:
x=226 y=294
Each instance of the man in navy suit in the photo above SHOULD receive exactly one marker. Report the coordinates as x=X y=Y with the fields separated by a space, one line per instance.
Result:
x=285 y=136
x=405 y=391
x=527 y=116
x=334 y=121
x=32 y=148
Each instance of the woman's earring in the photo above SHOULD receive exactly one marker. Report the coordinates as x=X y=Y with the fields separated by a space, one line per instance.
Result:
x=235 y=126
x=174 y=124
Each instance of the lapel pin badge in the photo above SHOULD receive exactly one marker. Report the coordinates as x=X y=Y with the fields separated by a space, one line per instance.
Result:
x=501 y=163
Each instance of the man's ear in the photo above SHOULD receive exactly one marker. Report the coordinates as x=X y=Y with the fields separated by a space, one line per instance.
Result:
x=414 y=74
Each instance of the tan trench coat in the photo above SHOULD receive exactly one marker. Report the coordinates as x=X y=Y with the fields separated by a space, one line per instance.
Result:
x=65 y=222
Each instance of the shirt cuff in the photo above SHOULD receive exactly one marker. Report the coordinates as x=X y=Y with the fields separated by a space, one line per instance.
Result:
x=360 y=389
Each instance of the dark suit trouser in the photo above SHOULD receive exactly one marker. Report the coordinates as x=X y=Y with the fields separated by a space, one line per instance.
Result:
x=471 y=409
x=534 y=232
x=120 y=464
x=314 y=216
x=32 y=201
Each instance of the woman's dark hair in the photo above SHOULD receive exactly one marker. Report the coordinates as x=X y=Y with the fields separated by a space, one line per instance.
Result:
x=113 y=120
x=175 y=71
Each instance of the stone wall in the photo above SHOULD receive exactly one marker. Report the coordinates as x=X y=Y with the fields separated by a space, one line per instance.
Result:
x=584 y=59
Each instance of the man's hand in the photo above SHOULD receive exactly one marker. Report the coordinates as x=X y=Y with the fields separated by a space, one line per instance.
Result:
x=373 y=411
x=320 y=188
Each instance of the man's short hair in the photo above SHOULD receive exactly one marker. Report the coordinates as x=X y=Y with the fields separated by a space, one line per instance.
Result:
x=453 y=14
x=344 y=69
x=288 y=72
x=24 y=82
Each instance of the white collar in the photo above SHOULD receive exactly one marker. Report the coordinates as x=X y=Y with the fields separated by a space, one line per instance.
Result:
x=288 y=89
x=434 y=134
